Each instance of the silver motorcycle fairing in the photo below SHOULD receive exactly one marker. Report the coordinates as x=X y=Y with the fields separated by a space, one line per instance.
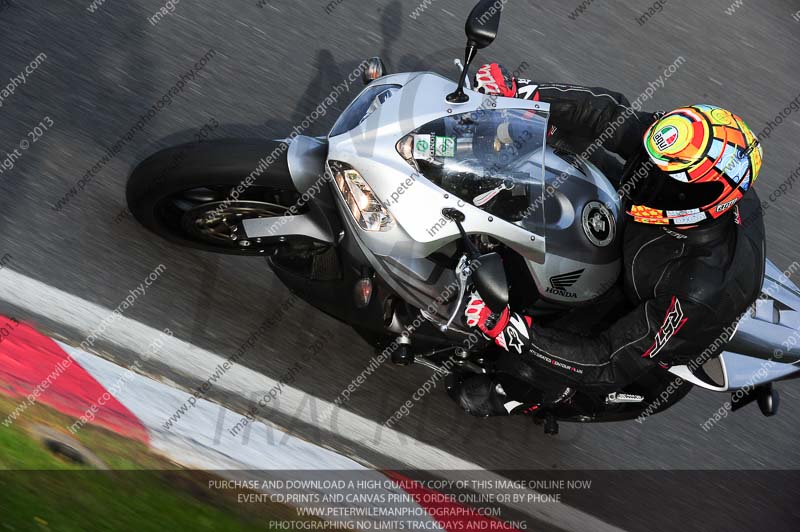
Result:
x=370 y=149
x=760 y=350
x=399 y=253
x=306 y=161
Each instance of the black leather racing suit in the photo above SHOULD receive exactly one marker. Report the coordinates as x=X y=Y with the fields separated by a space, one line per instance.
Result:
x=684 y=286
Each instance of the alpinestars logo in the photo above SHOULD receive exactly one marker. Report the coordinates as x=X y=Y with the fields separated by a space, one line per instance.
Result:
x=514 y=340
x=514 y=335
x=673 y=322
x=560 y=283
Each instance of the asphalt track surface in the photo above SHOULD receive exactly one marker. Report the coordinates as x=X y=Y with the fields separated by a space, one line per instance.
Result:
x=271 y=68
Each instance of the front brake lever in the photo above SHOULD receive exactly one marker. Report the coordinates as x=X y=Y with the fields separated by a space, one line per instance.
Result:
x=463 y=272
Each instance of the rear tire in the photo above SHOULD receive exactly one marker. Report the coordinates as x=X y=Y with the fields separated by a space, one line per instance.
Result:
x=183 y=194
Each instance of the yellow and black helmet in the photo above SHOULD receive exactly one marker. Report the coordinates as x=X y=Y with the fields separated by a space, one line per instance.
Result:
x=712 y=158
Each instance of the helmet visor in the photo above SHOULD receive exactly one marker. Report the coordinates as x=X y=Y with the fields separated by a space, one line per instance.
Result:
x=658 y=190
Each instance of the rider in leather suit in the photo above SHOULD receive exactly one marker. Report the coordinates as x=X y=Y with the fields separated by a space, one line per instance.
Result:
x=688 y=272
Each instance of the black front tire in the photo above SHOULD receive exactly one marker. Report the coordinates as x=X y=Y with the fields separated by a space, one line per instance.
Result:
x=184 y=194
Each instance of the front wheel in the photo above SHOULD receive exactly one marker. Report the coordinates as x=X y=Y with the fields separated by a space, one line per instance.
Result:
x=198 y=194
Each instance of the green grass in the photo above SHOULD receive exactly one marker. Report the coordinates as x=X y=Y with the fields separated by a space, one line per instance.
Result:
x=42 y=491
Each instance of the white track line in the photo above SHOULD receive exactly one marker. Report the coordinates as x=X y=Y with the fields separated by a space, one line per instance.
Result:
x=49 y=302
x=197 y=443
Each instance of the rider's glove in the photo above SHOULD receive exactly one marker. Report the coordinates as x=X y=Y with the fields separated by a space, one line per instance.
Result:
x=510 y=331
x=496 y=80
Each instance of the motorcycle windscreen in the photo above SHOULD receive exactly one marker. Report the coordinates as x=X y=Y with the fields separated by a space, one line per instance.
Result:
x=364 y=105
x=490 y=158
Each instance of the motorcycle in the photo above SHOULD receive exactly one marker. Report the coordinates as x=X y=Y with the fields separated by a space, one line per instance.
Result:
x=422 y=190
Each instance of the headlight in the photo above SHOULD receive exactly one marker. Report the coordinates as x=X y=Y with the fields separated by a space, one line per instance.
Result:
x=362 y=202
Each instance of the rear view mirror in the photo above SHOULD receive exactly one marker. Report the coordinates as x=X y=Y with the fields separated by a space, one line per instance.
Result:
x=374 y=70
x=481 y=30
x=483 y=23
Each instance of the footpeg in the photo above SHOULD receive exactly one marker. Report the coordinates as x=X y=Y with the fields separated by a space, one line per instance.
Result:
x=768 y=399
x=768 y=402
x=402 y=355
x=551 y=425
